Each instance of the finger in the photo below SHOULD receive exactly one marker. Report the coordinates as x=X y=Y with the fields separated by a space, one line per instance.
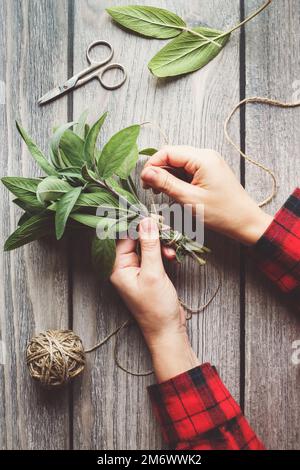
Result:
x=151 y=261
x=168 y=253
x=125 y=254
x=178 y=156
x=162 y=181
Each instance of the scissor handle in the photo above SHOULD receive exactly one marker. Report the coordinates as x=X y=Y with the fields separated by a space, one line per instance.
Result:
x=99 y=43
x=114 y=86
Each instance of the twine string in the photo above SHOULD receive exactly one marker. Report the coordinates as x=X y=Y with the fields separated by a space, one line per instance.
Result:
x=258 y=100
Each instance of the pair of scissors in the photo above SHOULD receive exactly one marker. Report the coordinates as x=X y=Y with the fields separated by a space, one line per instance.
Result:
x=93 y=71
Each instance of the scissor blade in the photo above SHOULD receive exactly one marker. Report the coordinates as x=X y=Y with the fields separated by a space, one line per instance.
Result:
x=59 y=90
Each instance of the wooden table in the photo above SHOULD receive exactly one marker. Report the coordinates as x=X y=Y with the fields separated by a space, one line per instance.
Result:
x=247 y=331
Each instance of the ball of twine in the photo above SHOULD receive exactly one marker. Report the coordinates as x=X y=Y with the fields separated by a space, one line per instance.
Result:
x=54 y=357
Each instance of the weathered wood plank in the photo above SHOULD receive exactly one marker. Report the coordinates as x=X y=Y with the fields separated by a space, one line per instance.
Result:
x=34 y=282
x=112 y=409
x=272 y=381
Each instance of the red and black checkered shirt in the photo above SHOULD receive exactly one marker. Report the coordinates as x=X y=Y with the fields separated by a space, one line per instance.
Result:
x=195 y=409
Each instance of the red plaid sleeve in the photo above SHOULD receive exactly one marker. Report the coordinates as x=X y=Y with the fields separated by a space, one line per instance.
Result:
x=278 y=251
x=196 y=411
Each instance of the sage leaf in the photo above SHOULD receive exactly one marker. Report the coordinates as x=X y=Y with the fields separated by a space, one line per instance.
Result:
x=116 y=150
x=148 y=151
x=129 y=163
x=56 y=156
x=34 y=228
x=187 y=53
x=21 y=186
x=72 y=147
x=24 y=217
x=148 y=21
x=29 y=203
x=36 y=152
x=131 y=199
x=103 y=257
x=64 y=208
x=52 y=188
x=93 y=221
x=96 y=199
x=80 y=124
x=91 y=139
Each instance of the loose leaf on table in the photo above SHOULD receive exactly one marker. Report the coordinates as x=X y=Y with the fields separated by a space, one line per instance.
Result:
x=148 y=21
x=116 y=150
x=36 y=152
x=187 y=53
x=91 y=139
x=129 y=163
x=103 y=256
x=52 y=188
x=148 y=151
x=64 y=208
x=34 y=228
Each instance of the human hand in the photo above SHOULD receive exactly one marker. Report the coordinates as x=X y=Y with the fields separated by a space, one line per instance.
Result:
x=227 y=206
x=153 y=301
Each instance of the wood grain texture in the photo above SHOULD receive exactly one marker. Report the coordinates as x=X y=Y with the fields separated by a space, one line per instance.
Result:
x=33 y=293
x=273 y=65
x=111 y=409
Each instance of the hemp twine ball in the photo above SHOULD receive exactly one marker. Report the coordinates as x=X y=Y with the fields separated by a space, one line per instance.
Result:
x=54 y=357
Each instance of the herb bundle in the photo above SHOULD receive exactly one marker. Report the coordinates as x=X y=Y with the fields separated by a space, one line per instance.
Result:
x=80 y=179
x=190 y=50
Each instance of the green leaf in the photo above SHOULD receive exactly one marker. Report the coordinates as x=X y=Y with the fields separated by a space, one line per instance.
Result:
x=52 y=188
x=91 y=139
x=24 y=217
x=187 y=53
x=64 y=208
x=36 y=152
x=34 y=228
x=116 y=150
x=72 y=146
x=103 y=256
x=129 y=163
x=148 y=151
x=93 y=221
x=122 y=192
x=88 y=174
x=57 y=159
x=71 y=172
x=29 y=203
x=79 y=126
x=148 y=21
x=96 y=199
x=20 y=186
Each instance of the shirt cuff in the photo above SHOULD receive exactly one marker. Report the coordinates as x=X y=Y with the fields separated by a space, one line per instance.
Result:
x=192 y=404
x=277 y=253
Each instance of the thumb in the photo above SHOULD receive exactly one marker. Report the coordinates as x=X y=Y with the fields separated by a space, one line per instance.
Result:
x=150 y=247
x=161 y=180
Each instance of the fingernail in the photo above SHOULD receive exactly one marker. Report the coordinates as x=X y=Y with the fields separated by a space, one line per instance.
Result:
x=149 y=174
x=148 y=226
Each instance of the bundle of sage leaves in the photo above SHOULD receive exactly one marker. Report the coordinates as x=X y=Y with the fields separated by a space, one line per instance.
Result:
x=190 y=50
x=80 y=179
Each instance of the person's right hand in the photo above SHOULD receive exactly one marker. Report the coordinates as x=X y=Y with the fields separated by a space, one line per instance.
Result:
x=227 y=207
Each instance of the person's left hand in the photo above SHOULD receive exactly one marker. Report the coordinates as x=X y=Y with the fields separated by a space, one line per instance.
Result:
x=153 y=301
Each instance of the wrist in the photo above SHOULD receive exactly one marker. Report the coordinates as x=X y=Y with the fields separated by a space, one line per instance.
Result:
x=172 y=355
x=253 y=226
